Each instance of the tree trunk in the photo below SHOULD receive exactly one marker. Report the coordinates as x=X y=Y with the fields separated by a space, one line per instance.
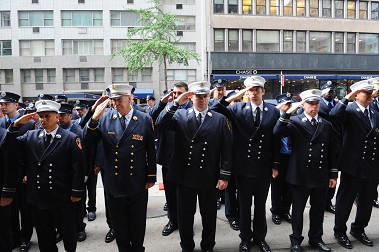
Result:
x=165 y=73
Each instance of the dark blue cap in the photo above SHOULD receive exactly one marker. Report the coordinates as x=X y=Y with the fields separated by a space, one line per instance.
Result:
x=9 y=97
x=150 y=97
x=328 y=84
x=45 y=97
x=219 y=83
x=60 y=98
x=66 y=108
x=81 y=104
x=284 y=97
x=21 y=105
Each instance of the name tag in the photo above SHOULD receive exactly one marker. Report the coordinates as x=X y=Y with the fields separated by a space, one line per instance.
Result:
x=111 y=133
x=377 y=130
x=137 y=137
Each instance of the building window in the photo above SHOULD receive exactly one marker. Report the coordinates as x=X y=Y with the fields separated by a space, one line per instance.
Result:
x=233 y=40
x=132 y=76
x=69 y=75
x=5 y=18
x=190 y=46
x=218 y=6
x=247 y=41
x=300 y=8
x=35 y=18
x=287 y=41
x=261 y=7
x=26 y=75
x=368 y=43
x=83 y=47
x=351 y=9
x=181 y=75
x=327 y=8
x=339 y=9
x=125 y=18
x=247 y=7
x=117 y=74
x=84 y=75
x=5 y=47
x=287 y=8
x=232 y=6
x=8 y=76
x=99 y=74
x=186 y=23
x=363 y=10
x=37 y=48
x=274 y=7
x=267 y=41
x=338 y=42
x=320 y=42
x=51 y=75
x=351 y=41
x=82 y=18
x=38 y=75
x=146 y=74
x=219 y=41
x=118 y=44
x=374 y=10
x=179 y=1
x=301 y=41
x=313 y=8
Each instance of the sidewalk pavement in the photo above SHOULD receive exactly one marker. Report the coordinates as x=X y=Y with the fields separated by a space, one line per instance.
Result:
x=226 y=238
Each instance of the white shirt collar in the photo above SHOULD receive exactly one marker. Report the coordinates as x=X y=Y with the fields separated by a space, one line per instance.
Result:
x=128 y=116
x=203 y=113
x=254 y=107
x=310 y=117
x=362 y=108
x=52 y=133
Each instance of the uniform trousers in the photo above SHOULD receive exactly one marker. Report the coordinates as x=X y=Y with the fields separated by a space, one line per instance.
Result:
x=22 y=220
x=317 y=201
x=90 y=188
x=6 y=237
x=247 y=189
x=281 y=196
x=107 y=215
x=79 y=209
x=128 y=216
x=330 y=196
x=348 y=189
x=231 y=200
x=187 y=198
x=46 y=220
x=170 y=193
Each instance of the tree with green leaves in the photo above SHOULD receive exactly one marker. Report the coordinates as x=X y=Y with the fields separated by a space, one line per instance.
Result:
x=154 y=40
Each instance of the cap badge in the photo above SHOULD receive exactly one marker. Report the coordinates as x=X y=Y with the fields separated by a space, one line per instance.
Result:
x=44 y=103
x=77 y=102
x=135 y=118
x=113 y=86
x=304 y=119
x=219 y=81
x=41 y=95
x=313 y=92
x=3 y=94
x=288 y=95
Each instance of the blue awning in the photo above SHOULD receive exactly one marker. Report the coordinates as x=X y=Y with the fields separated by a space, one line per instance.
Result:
x=297 y=76
x=141 y=93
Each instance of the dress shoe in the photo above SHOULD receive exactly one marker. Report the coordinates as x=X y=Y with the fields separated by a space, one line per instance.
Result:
x=16 y=244
x=219 y=204
x=263 y=246
x=295 y=248
x=287 y=217
x=91 y=216
x=343 y=240
x=234 y=224
x=375 y=203
x=58 y=237
x=81 y=235
x=109 y=237
x=320 y=246
x=276 y=219
x=330 y=209
x=25 y=246
x=169 y=228
x=244 y=246
x=362 y=238
x=165 y=207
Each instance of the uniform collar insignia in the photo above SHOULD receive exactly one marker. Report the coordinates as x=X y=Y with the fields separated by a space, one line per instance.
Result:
x=58 y=135
x=247 y=107
x=40 y=135
x=114 y=116
x=358 y=109
x=135 y=118
x=190 y=110
x=209 y=114
x=304 y=119
x=265 y=109
x=319 y=120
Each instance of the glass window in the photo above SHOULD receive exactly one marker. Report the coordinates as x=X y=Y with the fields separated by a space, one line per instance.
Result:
x=261 y=7
x=374 y=10
x=233 y=41
x=350 y=9
x=320 y=42
x=83 y=47
x=267 y=41
x=247 y=41
x=99 y=74
x=186 y=23
x=219 y=41
x=287 y=41
x=146 y=74
x=363 y=9
x=8 y=76
x=368 y=43
x=84 y=75
x=326 y=8
x=26 y=75
x=190 y=46
x=5 y=47
x=339 y=9
x=247 y=7
x=313 y=8
x=181 y=75
x=218 y=6
x=38 y=75
x=132 y=76
x=69 y=75
x=117 y=74
x=5 y=18
x=232 y=6
x=338 y=42
x=301 y=41
x=82 y=18
x=50 y=75
x=300 y=8
x=35 y=18
x=274 y=7
x=118 y=44
x=125 y=18
x=287 y=8
x=37 y=47
x=351 y=41
x=191 y=75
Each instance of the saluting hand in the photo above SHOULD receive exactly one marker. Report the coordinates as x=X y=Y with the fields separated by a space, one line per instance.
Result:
x=99 y=101
x=75 y=199
x=99 y=111
x=148 y=185
x=295 y=106
x=376 y=92
x=167 y=97
x=332 y=183
x=238 y=95
x=275 y=173
x=23 y=119
x=184 y=97
x=351 y=95
x=222 y=184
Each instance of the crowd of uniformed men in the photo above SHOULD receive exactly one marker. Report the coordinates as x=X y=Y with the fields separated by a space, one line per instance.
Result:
x=49 y=162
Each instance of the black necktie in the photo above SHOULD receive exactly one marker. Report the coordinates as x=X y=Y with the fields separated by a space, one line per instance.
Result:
x=198 y=120
x=257 y=117
x=330 y=105
x=366 y=113
x=123 y=122
x=7 y=123
x=47 y=140
x=314 y=123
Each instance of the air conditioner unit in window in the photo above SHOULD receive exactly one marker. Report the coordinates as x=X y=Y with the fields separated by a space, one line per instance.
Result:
x=37 y=59
x=39 y=86
x=130 y=1
x=84 y=85
x=34 y=1
x=179 y=33
x=179 y=6
x=35 y=29
x=82 y=58
x=81 y=1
